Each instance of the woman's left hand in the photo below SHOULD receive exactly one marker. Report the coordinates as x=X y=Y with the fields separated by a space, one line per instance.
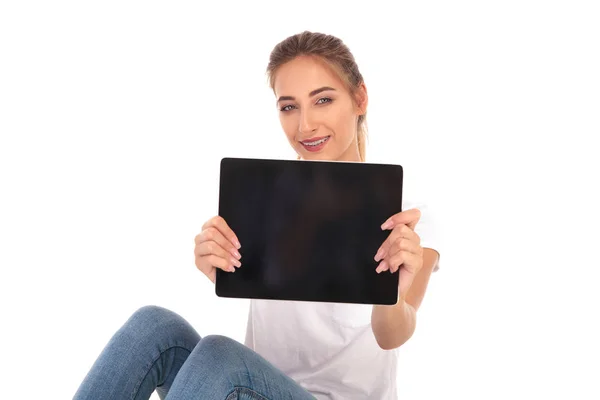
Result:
x=402 y=249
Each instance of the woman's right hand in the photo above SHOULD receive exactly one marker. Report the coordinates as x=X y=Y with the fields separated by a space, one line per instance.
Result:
x=216 y=247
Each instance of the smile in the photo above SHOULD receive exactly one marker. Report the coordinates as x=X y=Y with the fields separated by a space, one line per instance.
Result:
x=316 y=142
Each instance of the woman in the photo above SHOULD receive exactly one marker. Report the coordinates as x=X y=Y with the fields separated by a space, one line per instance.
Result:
x=293 y=350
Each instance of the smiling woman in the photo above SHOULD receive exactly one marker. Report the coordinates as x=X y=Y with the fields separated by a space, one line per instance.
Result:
x=292 y=350
x=322 y=99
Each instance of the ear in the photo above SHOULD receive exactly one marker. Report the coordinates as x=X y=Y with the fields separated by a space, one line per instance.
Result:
x=362 y=99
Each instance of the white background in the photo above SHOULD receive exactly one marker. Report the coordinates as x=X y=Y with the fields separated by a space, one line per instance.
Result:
x=114 y=116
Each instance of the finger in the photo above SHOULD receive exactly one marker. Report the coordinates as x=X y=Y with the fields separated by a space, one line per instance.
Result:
x=407 y=260
x=409 y=217
x=219 y=223
x=213 y=234
x=383 y=266
x=400 y=231
x=206 y=266
x=396 y=261
x=383 y=250
x=218 y=262
x=405 y=244
x=213 y=248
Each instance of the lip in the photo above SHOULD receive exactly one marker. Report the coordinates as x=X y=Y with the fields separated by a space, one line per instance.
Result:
x=314 y=149
x=313 y=139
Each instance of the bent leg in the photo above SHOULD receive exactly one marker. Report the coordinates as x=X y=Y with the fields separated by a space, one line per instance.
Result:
x=222 y=368
x=144 y=355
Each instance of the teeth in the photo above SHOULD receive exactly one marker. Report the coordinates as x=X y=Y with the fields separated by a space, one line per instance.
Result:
x=318 y=142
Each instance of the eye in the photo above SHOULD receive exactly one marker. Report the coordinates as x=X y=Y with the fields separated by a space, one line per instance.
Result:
x=324 y=98
x=285 y=108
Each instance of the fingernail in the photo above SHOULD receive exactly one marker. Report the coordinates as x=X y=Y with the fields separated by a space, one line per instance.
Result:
x=236 y=262
x=237 y=244
x=379 y=254
x=387 y=225
x=232 y=269
x=382 y=265
x=236 y=254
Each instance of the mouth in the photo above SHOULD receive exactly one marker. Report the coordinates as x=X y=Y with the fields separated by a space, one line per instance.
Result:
x=315 y=144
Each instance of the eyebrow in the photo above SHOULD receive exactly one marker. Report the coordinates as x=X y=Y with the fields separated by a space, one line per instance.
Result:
x=311 y=94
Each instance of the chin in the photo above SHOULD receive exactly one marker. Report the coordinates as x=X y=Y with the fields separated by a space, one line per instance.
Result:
x=318 y=156
x=328 y=154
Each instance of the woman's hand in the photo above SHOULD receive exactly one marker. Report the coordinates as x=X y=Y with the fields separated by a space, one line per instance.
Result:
x=216 y=247
x=402 y=249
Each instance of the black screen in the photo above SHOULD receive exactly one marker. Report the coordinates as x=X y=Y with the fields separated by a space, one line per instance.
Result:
x=309 y=230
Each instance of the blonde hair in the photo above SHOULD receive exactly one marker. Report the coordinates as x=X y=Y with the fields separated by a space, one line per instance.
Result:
x=335 y=54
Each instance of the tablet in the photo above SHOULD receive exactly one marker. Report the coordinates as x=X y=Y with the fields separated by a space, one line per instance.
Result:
x=309 y=230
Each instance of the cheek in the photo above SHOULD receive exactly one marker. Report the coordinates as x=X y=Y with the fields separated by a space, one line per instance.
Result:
x=289 y=127
x=345 y=125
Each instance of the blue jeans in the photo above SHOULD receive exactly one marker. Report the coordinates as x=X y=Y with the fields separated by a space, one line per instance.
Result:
x=157 y=349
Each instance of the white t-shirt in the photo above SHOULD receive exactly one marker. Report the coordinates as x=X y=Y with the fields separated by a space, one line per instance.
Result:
x=329 y=348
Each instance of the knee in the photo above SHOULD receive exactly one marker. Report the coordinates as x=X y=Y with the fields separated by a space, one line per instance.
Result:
x=153 y=315
x=224 y=359
x=221 y=361
x=218 y=343
x=221 y=349
x=149 y=321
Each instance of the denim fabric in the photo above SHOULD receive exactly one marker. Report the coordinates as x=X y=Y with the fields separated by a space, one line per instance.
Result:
x=156 y=349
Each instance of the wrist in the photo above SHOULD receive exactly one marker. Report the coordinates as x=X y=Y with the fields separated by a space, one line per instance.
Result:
x=393 y=324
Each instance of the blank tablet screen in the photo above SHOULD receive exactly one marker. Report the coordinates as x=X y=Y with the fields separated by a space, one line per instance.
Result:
x=309 y=230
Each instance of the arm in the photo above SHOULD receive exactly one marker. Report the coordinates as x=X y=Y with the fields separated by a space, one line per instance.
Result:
x=394 y=325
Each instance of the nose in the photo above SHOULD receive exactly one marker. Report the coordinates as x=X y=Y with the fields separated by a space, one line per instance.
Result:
x=307 y=123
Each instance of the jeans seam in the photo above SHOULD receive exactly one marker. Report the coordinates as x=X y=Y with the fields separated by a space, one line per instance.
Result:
x=149 y=368
x=241 y=389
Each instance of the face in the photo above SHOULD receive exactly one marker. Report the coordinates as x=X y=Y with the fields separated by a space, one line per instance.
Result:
x=317 y=112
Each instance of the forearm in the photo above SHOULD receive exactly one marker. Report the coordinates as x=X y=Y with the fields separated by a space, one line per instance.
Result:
x=393 y=325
